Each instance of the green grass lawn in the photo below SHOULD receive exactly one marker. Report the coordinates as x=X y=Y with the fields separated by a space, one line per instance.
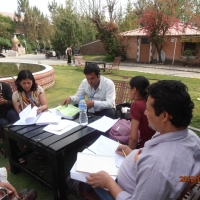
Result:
x=67 y=80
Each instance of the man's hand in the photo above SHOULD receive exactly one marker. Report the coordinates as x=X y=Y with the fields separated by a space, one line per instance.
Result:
x=66 y=101
x=90 y=104
x=126 y=149
x=100 y=179
x=10 y=189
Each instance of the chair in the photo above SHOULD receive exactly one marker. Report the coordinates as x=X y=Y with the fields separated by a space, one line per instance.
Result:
x=121 y=88
x=79 y=62
x=115 y=65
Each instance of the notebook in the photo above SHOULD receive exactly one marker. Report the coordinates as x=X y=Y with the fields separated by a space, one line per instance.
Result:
x=68 y=112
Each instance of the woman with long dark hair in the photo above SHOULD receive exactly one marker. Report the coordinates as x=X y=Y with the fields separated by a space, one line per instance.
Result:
x=140 y=131
x=28 y=92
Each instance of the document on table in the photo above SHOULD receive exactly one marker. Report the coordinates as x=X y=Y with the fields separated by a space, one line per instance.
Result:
x=103 y=124
x=48 y=118
x=93 y=163
x=29 y=116
x=81 y=176
x=64 y=126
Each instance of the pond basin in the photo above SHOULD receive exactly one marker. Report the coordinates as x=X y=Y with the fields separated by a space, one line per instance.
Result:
x=43 y=74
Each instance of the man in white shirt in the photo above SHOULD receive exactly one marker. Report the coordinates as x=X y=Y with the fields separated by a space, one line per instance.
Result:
x=98 y=90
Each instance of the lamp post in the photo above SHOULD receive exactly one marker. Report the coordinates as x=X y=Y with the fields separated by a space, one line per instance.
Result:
x=172 y=40
x=44 y=45
x=38 y=46
x=49 y=44
x=25 y=45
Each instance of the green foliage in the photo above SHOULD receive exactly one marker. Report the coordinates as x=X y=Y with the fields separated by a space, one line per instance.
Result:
x=5 y=42
x=6 y=31
x=32 y=23
x=108 y=34
x=188 y=52
x=70 y=27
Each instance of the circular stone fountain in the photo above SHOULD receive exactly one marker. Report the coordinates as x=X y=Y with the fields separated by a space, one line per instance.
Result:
x=43 y=74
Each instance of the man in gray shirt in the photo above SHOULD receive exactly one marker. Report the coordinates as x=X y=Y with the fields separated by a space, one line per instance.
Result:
x=155 y=172
x=99 y=91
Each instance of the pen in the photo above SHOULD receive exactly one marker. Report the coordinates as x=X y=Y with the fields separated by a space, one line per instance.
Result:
x=122 y=149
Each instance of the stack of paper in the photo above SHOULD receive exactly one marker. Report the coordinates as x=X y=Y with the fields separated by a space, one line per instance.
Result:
x=93 y=163
x=29 y=116
x=64 y=126
x=68 y=112
x=81 y=176
x=102 y=146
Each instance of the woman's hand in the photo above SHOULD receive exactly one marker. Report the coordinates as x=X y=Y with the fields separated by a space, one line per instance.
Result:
x=40 y=109
x=125 y=148
x=100 y=179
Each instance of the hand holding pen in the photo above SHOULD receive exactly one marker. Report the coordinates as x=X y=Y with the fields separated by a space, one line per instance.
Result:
x=123 y=150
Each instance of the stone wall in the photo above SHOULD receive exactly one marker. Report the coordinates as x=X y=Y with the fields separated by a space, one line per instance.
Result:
x=45 y=79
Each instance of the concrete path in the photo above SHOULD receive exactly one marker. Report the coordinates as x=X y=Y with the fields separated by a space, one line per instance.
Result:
x=192 y=72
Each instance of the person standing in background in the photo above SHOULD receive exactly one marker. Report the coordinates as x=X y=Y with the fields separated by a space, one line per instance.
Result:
x=68 y=52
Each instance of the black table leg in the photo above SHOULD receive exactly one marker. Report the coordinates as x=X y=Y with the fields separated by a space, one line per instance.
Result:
x=59 y=178
x=12 y=150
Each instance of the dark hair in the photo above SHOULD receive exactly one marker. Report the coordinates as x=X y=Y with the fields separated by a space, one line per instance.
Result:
x=91 y=67
x=172 y=96
x=140 y=83
x=24 y=74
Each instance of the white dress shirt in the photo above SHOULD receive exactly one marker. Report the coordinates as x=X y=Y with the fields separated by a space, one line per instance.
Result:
x=103 y=97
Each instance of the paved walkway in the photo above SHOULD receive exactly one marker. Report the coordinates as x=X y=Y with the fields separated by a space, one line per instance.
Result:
x=192 y=72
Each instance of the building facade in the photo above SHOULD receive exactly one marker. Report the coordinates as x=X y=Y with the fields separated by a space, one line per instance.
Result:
x=180 y=46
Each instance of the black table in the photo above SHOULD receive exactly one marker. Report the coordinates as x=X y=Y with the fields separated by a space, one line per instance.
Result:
x=54 y=147
x=98 y=63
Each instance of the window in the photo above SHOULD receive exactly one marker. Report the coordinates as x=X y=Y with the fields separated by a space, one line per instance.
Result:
x=189 y=49
x=144 y=41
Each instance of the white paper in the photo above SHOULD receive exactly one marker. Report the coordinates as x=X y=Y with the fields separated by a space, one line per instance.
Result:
x=106 y=146
x=28 y=116
x=81 y=176
x=62 y=127
x=103 y=124
x=93 y=163
x=53 y=110
x=48 y=118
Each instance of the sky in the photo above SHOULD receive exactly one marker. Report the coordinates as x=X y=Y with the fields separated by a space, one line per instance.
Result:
x=10 y=6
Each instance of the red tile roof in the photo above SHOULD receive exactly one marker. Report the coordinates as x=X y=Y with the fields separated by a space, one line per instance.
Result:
x=179 y=30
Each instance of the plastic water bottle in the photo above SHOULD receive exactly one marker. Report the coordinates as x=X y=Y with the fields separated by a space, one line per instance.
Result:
x=83 y=118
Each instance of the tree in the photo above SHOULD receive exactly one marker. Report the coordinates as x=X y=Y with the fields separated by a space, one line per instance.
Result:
x=127 y=21
x=6 y=31
x=108 y=34
x=32 y=24
x=70 y=27
x=156 y=21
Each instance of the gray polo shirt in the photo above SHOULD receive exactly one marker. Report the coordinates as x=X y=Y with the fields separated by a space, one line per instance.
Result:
x=156 y=173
